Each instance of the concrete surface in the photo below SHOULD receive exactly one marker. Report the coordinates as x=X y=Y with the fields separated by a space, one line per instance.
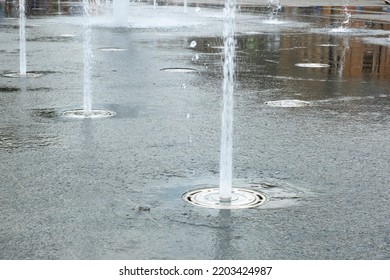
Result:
x=111 y=188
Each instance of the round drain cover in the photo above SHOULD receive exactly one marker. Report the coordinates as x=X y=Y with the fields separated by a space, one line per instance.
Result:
x=209 y=198
x=93 y=114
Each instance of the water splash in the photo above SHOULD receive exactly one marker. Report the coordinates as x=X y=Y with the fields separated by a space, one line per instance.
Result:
x=22 y=38
x=193 y=44
x=87 y=58
x=226 y=166
x=273 y=7
x=347 y=15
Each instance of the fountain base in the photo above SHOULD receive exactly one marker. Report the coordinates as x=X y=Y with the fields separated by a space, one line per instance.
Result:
x=93 y=114
x=209 y=198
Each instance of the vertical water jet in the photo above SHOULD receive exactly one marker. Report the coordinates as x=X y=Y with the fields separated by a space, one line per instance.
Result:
x=87 y=111
x=22 y=38
x=347 y=15
x=274 y=8
x=87 y=59
x=226 y=154
x=225 y=196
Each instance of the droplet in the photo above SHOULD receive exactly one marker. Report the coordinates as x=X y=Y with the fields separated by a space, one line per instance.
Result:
x=183 y=86
x=197 y=10
x=193 y=44
x=195 y=57
x=188 y=116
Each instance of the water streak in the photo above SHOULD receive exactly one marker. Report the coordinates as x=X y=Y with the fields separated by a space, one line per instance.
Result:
x=226 y=166
x=87 y=59
x=22 y=38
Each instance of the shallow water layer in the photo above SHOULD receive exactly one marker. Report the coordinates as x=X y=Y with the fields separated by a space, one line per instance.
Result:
x=110 y=188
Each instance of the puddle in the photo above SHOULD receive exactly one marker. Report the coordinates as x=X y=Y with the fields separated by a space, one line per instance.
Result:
x=279 y=193
x=332 y=58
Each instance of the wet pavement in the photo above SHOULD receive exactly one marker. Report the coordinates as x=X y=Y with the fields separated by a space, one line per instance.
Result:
x=311 y=132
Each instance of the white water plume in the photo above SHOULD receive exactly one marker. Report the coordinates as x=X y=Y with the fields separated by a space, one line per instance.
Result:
x=22 y=38
x=87 y=58
x=226 y=154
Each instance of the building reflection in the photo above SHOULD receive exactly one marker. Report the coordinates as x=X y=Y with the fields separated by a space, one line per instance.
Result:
x=353 y=57
x=348 y=56
x=41 y=7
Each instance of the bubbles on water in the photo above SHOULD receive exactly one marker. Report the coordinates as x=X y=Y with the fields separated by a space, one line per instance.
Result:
x=195 y=57
x=193 y=44
x=183 y=86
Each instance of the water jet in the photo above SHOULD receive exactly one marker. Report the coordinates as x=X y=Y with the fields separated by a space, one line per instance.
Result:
x=225 y=196
x=87 y=111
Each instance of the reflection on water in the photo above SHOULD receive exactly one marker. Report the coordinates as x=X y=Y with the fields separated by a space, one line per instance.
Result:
x=44 y=7
x=277 y=54
x=333 y=16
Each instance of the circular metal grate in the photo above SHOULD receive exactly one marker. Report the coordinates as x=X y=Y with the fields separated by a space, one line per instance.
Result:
x=93 y=114
x=209 y=198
